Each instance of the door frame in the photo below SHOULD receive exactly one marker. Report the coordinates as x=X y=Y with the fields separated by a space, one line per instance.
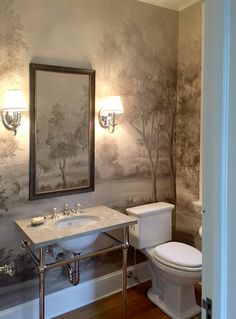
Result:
x=219 y=158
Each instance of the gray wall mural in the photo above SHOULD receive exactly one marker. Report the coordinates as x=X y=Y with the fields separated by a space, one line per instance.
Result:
x=188 y=218
x=133 y=48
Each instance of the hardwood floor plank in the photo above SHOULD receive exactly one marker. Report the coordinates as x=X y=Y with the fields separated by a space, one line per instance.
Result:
x=138 y=307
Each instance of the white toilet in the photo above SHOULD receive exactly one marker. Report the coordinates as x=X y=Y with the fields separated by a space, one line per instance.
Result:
x=175 y=267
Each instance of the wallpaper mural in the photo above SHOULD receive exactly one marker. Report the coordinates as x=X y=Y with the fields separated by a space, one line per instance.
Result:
x=188 y=218
x=12 y=47
x=147 y=86
x=133 y=48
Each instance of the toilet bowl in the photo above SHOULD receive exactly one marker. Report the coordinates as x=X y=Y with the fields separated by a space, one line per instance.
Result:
x=174 y=267
x=173 y=279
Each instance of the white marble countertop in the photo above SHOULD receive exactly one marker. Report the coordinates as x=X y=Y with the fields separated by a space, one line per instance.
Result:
x=48 y=234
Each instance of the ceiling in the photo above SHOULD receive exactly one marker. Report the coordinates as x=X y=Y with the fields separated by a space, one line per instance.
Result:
x=177 y=5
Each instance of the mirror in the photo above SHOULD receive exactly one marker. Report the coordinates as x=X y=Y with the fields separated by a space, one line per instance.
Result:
x=62 y=105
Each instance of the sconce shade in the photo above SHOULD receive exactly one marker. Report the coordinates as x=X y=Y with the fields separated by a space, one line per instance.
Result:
x=112 y=104
x=14 y=101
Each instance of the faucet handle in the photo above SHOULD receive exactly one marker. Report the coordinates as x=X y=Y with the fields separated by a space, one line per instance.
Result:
x=66 y=209
x=78 y=208
x=54 y=214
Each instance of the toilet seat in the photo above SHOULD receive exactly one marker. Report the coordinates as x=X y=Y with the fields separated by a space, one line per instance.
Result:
x=179 y=256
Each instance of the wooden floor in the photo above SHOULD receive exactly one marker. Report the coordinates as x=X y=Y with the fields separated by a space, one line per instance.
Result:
x=138 y=307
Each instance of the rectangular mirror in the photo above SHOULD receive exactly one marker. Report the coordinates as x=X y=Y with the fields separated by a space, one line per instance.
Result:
x=62 y=104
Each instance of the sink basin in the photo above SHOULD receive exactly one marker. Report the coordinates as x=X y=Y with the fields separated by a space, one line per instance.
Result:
x=77 y=221
x=79 y=243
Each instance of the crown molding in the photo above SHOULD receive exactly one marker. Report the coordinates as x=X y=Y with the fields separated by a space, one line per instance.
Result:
x=177 y=5
x=186 y=3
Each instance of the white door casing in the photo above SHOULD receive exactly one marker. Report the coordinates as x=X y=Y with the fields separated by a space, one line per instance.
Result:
x=219 y=158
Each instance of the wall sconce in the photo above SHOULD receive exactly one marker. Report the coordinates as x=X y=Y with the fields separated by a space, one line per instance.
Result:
x=14 y=102
x=111 y=106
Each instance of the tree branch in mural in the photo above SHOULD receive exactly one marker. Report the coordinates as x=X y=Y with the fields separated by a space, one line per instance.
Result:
x=12 y=40
x=108 y=151
x=12 y=44
x=43 y=164
x=63 y=139
x=3 y=197
x=188 y=128
x=8 y=147
x=148 y=87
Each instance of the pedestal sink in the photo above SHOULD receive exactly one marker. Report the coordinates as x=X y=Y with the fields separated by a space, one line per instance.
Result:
x=79 y=243
x=74 y=232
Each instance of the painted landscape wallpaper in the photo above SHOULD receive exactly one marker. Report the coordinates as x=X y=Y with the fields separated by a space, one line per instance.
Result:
x=134 y=49
x=62 y=106
x=188 y=217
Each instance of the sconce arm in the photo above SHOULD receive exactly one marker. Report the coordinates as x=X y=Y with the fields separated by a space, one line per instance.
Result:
x=11 y=121
x=107 y=121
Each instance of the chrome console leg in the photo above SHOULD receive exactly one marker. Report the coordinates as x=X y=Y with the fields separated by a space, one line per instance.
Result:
x=41 y=283
x=124 y=271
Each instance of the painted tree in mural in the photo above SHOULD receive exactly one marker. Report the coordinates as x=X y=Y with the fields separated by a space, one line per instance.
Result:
x=8 y=147
x=188 y=128
x=43 y=165
x=147 y=86
x=12 y=41
x=63 y=139
x=108 y=151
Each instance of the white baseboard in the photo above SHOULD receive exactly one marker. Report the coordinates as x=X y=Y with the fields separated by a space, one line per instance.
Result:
x=74 y=297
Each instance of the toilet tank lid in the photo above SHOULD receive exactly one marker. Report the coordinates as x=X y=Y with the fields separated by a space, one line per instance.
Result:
x=149 y=209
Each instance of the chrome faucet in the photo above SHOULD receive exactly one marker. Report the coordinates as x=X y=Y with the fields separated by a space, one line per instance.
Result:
x=55 y=214
x=66 y=210
x=78 y=208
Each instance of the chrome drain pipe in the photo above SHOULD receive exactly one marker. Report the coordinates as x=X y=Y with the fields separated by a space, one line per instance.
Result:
x=74 y=273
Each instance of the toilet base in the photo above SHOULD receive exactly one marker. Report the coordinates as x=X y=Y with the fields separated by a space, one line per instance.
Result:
x=160 y=304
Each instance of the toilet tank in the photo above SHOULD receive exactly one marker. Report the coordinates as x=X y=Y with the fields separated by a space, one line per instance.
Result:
x=154 y=225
